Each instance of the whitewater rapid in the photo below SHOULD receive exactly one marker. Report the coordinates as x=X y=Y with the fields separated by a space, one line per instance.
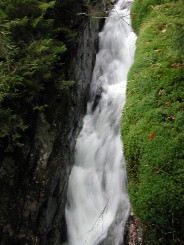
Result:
x=97 y=183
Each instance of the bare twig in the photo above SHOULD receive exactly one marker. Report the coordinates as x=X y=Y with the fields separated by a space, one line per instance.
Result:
x=100 y=217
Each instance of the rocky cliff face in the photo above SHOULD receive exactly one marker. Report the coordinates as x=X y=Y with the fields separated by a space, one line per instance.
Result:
x=34 y=180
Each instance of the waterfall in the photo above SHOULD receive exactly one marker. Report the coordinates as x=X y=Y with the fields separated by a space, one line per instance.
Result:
x=97 y=183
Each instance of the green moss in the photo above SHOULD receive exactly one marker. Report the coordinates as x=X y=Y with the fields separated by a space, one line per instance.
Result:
x=153 y=121
x=142 y=9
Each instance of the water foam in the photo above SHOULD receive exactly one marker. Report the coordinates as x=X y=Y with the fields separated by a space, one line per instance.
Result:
x=97 y=183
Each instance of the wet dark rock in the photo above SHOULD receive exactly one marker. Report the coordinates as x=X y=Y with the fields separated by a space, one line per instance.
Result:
x=133 y=231
x=116 y=230
x=97 y=98
x=34 y=181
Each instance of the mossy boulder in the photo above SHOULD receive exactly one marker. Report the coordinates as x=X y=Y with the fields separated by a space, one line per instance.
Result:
x=153 y=121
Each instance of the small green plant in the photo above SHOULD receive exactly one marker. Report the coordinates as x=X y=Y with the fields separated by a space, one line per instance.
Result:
x=65 y=85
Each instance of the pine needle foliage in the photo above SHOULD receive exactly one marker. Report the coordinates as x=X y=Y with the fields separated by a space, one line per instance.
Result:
x=35 y=37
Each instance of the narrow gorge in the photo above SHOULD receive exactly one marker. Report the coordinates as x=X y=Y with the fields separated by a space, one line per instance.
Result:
x=91 y=127
x=97 y=191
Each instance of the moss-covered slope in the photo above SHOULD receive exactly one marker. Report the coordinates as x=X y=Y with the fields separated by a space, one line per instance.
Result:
x=153 y=121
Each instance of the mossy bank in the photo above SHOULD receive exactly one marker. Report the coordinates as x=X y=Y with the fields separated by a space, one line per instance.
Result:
x=153 y=121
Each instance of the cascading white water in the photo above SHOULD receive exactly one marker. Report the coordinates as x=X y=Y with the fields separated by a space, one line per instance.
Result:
x=97 y=183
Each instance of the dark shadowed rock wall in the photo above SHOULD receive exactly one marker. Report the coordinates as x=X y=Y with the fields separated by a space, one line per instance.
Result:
x=34 y=180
